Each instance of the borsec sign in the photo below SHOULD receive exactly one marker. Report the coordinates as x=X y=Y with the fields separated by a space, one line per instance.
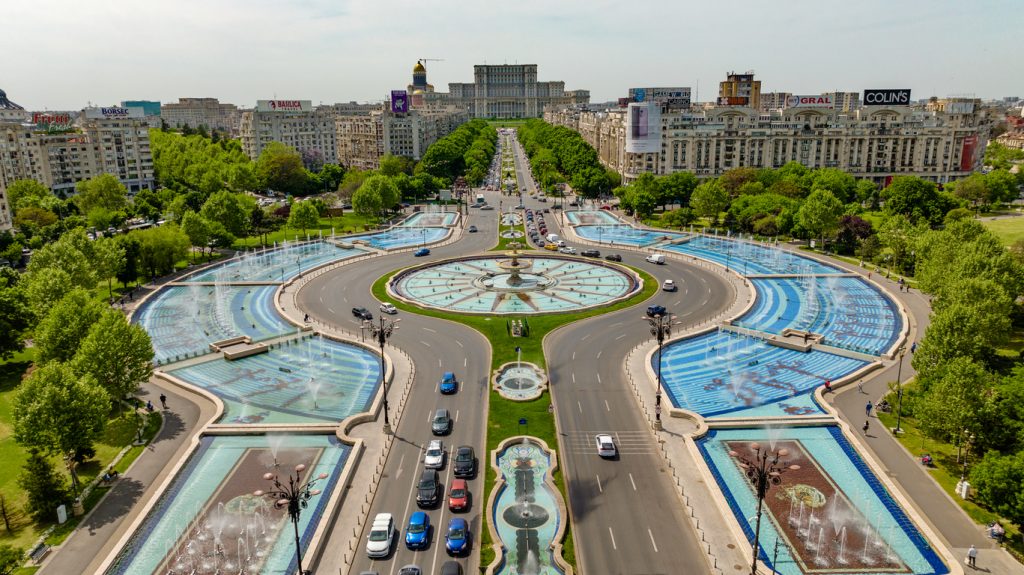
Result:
x=887 y=97
x=810 y=101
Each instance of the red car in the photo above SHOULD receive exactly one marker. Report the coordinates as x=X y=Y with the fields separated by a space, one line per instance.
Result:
x=606 y=207
x=458 y=495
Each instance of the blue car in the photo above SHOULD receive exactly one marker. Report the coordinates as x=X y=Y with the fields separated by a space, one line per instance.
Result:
x=422 y=252
x=417 y=532
x=457 y=539
x=448 y=383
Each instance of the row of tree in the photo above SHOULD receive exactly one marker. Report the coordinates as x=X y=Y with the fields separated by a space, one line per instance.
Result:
x=558 y=154
x=466 y=151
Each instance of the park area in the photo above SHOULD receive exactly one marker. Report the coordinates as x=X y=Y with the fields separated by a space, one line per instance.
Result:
x=1009 y=230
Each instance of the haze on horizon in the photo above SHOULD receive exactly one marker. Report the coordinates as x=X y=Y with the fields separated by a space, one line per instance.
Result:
x=64 y=54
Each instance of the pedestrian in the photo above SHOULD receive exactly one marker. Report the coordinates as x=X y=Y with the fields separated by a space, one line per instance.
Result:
x=869 y=275
x=149 y=405
x=828 y=386
x=867 y=424
x=972 y=556
x=306 y=319
x=163 y=400
x=860 y=385
x=867 y=408
x=913 y=348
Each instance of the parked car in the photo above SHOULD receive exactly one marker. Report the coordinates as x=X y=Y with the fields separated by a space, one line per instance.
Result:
x=448 y=383
x=442 y=423
x=378 y=542
x=417 y=532
x=422 y=252
x=458 y=495
x=656 y=310
x=456 y=541
x=605 y=446
x=668 y=285
x=590 y=253
x=362 y=313
x=465 y=461
x=487 y=207
x=472 y=229
x=428 y=489
x=388 y=308
x=434 y=457
x=613 y=257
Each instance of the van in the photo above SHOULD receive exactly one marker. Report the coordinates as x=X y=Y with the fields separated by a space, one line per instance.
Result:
x=378 y=542
x=656 y=259
x=553 y=238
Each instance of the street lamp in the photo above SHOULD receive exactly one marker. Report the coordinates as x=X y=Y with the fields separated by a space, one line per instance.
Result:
x=382 y=333
x=899 y=392
x=763 y=471
x=294 y=496
x=661 y=328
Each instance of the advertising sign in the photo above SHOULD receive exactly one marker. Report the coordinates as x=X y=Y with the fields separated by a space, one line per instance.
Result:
x=623 y=102
x=113 y=112
x=399 y=101
x=643 y=128
x=284 y=106
x=733 y=101
x=674 y=97
x=959 y=107
x=967 y=153
x=52 y=122
x=899 y=97
x=809 y=101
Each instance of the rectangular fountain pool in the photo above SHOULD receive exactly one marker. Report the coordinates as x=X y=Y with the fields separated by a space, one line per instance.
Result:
x=274 y=265
x=832 y=515
x=428 y=219
x=591 y=217
x=402 y=237
x=625 y=235
x=750 y=258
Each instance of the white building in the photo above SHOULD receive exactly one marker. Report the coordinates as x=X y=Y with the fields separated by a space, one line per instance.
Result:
x=364 y=139
x=294 y=123
x=195 y=112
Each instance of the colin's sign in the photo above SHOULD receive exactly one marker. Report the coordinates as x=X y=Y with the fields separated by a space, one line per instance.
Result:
x=887 y=97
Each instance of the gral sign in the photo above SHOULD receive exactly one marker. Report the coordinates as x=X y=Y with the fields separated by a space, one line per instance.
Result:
x=114 y=112
x=887 y=97
x=822 y=101
x=399 y=101
x=643 y=128
x=284 y=106
x=52 y=122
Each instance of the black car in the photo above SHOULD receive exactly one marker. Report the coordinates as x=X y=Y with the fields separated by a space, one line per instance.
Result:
x=472 y=229
x=656 y=310
x=465 y=462
x=451 y=568
x=591 y=253
x=613 y=257
x=362 y=313
x=428 y=490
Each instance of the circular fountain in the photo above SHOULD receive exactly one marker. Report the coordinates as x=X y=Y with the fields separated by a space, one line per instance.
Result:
x=520 y=381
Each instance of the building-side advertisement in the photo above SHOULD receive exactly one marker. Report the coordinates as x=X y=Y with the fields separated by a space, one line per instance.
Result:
x=643 y=128
x=819 y=101
x=53 y=122
x=399 y=101
x=113 y=112
x=284 y=105
x=899 y=97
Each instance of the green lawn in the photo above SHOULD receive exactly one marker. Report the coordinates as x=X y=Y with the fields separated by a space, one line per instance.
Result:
x=351 y=222
x=1008 y=230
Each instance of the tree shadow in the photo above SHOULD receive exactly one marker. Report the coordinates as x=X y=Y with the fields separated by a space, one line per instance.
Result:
x=117 y=503
x=583 y=497
x=173 y=427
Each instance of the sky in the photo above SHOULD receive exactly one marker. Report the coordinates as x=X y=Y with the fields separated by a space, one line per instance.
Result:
x=66 y=54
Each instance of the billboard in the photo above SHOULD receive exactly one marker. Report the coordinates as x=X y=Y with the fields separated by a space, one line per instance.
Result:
x=899 y=97
x=284 y=106
x=674 y=97
x=822 y=101
x=53 y=122
x=623 y=102
x=967 y=153
x=643 y=128
x=149 y=107
x=399 y=101
x=113 y=112
x=733 y=101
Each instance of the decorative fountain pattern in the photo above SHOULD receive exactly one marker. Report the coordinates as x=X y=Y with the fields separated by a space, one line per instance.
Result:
x=514 y=284
x=591 y=217
x=624 y=234
x=430 y=219
x=209 y=522
x=274 y=264
x=520 y=381
x=750 y=258
x=525 y=511
x=401 y=237
x=830 y=516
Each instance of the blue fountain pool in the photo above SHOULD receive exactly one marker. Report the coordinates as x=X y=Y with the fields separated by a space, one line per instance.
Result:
x=274 y=265
x=624 y=234
x=750 y=258
x=430 y=219
x=402 y=237
x=590 y=217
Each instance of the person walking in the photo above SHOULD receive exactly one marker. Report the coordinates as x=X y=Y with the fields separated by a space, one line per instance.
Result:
x=972 y=557
x=860 y=385
x=828 y=386
x=867 y=409
x=163 y=400
x=867 y=424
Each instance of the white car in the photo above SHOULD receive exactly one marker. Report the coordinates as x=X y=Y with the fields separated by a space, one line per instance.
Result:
x=567 y=250
x=388 y=308
x=605 y=445
x=434 y=459
x=669 y=285
x=378 y=542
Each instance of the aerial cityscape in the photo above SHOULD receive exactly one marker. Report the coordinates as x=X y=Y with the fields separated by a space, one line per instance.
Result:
x=537 y=303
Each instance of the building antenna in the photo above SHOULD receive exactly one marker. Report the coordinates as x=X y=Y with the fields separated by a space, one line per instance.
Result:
x=696 y=92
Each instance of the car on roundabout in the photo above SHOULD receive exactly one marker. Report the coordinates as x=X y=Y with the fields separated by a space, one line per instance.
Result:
x=417 y=531
x=656 y=310
x=552 y=247
x=421 y=252
x=606 y=446
x=388 y=308
x=567 y=250
x=362 y=313
x=456 y=540
x=448 y=383
x=472 y=229
x=590 y=253
x=669 y=285
x=613 y=257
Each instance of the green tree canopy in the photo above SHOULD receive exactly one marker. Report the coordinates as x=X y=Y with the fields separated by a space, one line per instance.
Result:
x=161 y=248
x=14 y=319
x=279 y=167
x=997 y=480
x=677 y=187
x=45 y=488
x=43 y=288
x=102 y=191
x=229 y=209
x=116 y=353
x=58 y=412
x=59 y=334
x=819 y=214
x=303 y=216
x=73 y=253
x=917 y=199
x=108 y=258
x=29 y=194
x=709 y=199
x=197 y=229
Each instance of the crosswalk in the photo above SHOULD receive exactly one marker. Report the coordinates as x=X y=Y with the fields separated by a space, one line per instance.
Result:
x=629 y=443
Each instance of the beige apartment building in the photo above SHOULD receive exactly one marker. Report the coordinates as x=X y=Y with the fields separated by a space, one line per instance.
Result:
x=195 y=112
x=364 y=139
x=295 y=123
x=941 y=142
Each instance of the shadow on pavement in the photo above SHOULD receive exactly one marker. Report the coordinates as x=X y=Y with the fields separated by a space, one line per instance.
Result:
x=173 y=427
x=118 y=502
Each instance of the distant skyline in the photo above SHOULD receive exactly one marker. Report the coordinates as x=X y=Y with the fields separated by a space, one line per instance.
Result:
x=64 y=54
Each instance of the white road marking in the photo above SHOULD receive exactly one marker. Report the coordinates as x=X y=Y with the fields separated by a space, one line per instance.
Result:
x=424 y=343
x=616 y=324
x=614 y=546
x=430 y=330
x=330 y=309
x=606 y=406
x=574 y=377
x=579 y=405
x=574 y=355
x=459 y=342
x=439 y=364
x=653 y=544
x=599 y=487
x=400 y=468
x=321 y=298
x=633 y=482
x=456 y=416
x=599 y=377
x=599 y=354
x=465 y=361
x=584 y=338
x=620 y=337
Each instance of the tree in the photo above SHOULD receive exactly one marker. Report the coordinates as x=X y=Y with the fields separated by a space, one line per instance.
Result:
x=35 y=218
x=58 y=412
x=161 y=248
x=14 y=319
x=45 y=488
x=229 y=210
x=279 y=167
x=129 y=272
x=197 y=229
x=59 y=334
x=590 y=182
x=28 y=193
x=954 y=397
x=102 y=191
x=44 y=288
x=643 y=202
x=394 y=165
x=11 y=558
x=733 y=179
x=842 y=185
x=899 y=236
x=108 y=259
x=971 y=189
x=997 y=480
x=917 y=199
x=242 y=178
x=365 y=200
x=677 y=187
x=73 y=253
x=867 y=193
x=819 y=214
x=709 y=199
x=961 y=330
x=678 y=218
x=116 y=353
x=852 y=230
x=304 y=215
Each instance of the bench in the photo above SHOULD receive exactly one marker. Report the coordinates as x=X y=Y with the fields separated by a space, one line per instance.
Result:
x=39 y=552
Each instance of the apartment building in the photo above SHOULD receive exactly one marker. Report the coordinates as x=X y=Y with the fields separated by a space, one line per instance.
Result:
x=195 y=112
x=364 y=139
x=295 y=123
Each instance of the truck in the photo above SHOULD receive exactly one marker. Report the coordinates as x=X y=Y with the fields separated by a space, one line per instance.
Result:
x=553 y=238
x=480 y=199
x=656 y=259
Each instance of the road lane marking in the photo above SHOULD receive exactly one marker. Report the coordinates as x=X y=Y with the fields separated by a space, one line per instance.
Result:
x=574 y=377
x=574 y=355
x=321 y=297
x=456 y=416
x=424 y=343
x=606 y=406
x=400 y=467
x=584 y=338
x=614 y=546
x=437 y=536
x=459 y=342
x=620 y=337
x=599 y=354
x=634 y=489
x=579 y=405
x=430 y=330
x=330 y=309
x=653 y=544
x=599 y=487
x=616 y=324
x=465 y=362
x=599 y=377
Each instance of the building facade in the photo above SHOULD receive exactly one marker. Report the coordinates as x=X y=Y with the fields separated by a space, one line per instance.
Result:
x=364 y=139
x=740 y=90
x=195 y=112
x=295 y=123
x=939 y=143
x=509 y=91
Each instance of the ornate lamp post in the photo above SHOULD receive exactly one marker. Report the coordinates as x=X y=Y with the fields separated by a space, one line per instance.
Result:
x=293 y=496
x=661 y=328
x=763 y=471
x=382 y=332
x=899 y=392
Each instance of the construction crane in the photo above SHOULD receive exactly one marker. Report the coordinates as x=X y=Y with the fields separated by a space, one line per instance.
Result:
x=422 y=60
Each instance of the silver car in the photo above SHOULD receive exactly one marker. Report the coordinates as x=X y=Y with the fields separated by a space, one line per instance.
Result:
x=434 y=459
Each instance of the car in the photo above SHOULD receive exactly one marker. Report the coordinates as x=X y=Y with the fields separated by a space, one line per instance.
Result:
x=551 y=247
x=428 y=489
x=458 y=495
x=520 y=207
x=449 y=568
x=346 y=206
x=668 y=285
x=442 y=422
x=613 y=257
x=542 y=199
x=388 y=308
x=362 y=313
x=487 y=207
x=605 y=445
x=590 y=253
x=556 y=207
x=456 y=540
x=472 y=229
x=547 y=211
x=574 y=203
x=448 y=383
x=378 y=542
x=465 y=461
x=656 y=259
x=422 y=252
x=417 y=531
x=567 y=250
x=656 y=310
x=434 y=458
x=606 y=207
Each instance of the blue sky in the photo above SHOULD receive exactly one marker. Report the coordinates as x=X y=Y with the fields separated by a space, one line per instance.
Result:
x=63 y=54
